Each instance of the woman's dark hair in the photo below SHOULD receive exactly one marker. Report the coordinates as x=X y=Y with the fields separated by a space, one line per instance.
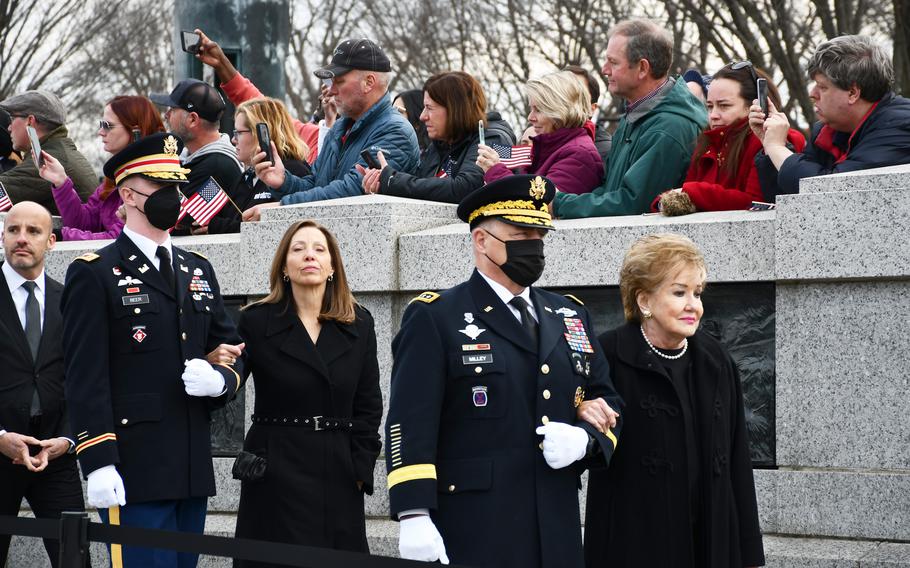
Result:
x=413 y=104
x=464 y=101
x=135 y=113
x=745 y=76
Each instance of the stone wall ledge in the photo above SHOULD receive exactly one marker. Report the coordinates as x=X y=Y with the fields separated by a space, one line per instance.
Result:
x=890 y=177
x=738 y=247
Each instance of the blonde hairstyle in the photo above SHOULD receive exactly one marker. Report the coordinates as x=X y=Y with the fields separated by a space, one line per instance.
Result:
x=338 y=301
x=651 y=260
x=562 y=98
x=281 y=126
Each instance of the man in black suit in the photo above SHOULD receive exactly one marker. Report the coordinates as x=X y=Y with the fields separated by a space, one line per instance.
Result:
x=35 y=438
x=139 y=317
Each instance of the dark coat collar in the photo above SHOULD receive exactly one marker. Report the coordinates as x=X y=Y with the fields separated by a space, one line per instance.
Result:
x=632 y=350
x=335 y=338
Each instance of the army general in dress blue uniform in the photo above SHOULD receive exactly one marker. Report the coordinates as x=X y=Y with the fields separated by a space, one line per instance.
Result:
x=483 y=448
x=139 y=317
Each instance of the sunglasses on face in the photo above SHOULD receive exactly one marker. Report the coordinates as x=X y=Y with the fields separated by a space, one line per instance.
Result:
x=106 y=126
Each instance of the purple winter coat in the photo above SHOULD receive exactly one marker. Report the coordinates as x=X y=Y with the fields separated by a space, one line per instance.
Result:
x=92 y=220
x=566 y=156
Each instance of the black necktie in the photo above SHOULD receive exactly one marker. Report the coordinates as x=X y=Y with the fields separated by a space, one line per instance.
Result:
x=33 y=334
x=527 y=320
x=165 y=267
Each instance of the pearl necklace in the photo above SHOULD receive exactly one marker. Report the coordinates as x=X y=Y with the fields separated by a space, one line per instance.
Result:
x=662 y=354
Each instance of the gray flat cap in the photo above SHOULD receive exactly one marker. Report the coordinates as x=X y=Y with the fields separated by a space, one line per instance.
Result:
x=43 y=104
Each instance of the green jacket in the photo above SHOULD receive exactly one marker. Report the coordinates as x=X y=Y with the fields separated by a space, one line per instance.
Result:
x=651 y=151
x=23 y=183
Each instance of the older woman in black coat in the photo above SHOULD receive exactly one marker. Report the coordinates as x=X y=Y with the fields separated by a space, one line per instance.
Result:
x=312 y=352
x=679 y=491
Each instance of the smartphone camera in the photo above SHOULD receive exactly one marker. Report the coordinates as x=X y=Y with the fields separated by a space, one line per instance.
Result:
x=190 y=42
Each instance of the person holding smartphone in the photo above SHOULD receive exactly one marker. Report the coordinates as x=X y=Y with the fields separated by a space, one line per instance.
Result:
x=862 y=122
x=97 y=218
x=453 y=105
x=722 y=175
x=291 y=149
x=42 y=111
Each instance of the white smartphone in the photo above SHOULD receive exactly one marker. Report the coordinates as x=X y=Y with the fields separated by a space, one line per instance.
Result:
x=480 y=131
x=36 y=146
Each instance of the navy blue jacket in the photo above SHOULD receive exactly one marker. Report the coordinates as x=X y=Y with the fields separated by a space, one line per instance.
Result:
x=126 y=335
x=882 y=140
x=467 y=393
x=334 y=175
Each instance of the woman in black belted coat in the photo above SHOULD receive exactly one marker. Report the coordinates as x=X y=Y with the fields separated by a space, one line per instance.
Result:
x=679 y=491
x=312 y=352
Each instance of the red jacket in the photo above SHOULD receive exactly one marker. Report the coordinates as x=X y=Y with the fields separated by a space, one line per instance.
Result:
x=240 y=89
x=710 y=187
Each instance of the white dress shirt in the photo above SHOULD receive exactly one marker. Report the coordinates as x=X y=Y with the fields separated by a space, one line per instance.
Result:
x=15 y=281
x=507 y=296
x=148 y=247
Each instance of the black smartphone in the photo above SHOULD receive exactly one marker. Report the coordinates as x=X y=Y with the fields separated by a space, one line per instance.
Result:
x=262 y=131
x=761 y=87
x=190 y=41
x=372 y=162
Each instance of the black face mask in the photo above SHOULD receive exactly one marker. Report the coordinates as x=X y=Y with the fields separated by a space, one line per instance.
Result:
x=524 y=260
x=162 y=207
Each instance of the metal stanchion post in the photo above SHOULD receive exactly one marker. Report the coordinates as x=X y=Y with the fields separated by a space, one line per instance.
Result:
x=73 y=539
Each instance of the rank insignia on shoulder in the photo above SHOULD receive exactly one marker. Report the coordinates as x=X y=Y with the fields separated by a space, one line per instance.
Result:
x=200 y=255
x=574 y=299
x=426 y=298
x=88 y=257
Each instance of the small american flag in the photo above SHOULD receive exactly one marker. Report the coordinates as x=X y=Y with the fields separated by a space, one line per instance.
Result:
x=5 y=203
x=513 y=156
x=205 y=203
x=447 y=168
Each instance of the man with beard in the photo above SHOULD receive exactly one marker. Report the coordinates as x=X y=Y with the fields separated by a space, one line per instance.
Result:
x=483 y=447
x=358 y=81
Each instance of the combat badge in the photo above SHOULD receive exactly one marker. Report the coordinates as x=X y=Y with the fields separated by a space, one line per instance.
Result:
x=579 y=396
x=577 y=337
x=197 y=272
x=472 y=331
x=566 y=312
x=479 y=395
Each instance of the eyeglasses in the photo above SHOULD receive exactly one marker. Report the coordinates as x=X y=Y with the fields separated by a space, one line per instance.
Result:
x=745 y=64
x=237 y=133
x=107 y=126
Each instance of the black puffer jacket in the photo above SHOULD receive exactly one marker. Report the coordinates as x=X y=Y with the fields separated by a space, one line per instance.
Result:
x=447 y=172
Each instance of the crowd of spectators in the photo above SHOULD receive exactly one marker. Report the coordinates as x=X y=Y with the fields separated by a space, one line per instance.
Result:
x=696 y=142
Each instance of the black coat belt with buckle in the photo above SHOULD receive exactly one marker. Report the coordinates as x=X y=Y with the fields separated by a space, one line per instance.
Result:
x=316 y=423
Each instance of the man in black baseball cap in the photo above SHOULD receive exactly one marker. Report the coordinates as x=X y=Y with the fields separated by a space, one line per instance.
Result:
x=358 y=80
x=355 y=54
x=194 y=114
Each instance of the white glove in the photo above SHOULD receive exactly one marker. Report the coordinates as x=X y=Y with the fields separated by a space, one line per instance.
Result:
x=200 y=379
x=418 y=539
x=562 y=444
x=105 y=488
